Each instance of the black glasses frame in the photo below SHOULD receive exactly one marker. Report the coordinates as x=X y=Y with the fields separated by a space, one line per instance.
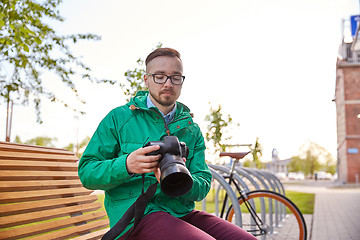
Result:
x=167 y=77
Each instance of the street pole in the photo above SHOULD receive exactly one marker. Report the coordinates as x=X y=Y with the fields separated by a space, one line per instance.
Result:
x=9 y=112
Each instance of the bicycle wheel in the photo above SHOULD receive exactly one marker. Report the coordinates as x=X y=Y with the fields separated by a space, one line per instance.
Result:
x=277 y=217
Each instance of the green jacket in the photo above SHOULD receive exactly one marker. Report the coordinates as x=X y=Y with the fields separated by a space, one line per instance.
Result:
x=126 y=129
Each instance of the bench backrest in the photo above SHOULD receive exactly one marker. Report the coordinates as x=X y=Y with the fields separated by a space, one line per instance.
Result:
x=41 y=196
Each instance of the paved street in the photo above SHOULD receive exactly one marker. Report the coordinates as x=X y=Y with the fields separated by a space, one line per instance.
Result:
x=336 y=211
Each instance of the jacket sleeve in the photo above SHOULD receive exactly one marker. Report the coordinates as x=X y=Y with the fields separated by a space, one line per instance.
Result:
x=100 y=167
x=199 y=171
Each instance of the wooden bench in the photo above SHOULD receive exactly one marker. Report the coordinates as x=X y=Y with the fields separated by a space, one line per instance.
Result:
x=41 y=196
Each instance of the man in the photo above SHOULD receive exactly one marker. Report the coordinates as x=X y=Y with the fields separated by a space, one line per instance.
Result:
x=115 y=159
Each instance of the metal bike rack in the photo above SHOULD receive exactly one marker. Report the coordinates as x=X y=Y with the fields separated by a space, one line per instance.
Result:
x=275 y=180
x=258 y=176
x=266 y=184
x=278 y=210
x=267 y=180
x=231 y=194
x=241 y=172
x=262 y=176
x=226 y=170
x=249 y=178
x=281 y=190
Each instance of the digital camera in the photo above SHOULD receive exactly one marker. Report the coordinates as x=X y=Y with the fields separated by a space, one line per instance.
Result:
x=175 y=179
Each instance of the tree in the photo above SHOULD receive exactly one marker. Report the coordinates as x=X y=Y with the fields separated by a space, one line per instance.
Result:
x=29 y=46
x=295 y=164
x=78 y=148
x=134 y=79
x=216 y=126
x=40 y=141
x=311 y=161
x=329 y=166
x=310 y=158
x=248 y=163
x=256 y=153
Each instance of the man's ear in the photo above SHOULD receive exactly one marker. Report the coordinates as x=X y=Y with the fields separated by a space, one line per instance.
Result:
x=146 y=80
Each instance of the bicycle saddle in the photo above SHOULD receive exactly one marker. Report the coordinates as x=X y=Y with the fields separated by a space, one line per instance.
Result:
x=236 y=155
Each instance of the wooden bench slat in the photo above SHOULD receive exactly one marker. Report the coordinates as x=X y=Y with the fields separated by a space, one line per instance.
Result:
x=38 y=156
x=11 y=197
x=37 y=165
x=35 y=175
x=73 y=231
x=25 y=207
x=15 y=220
x=35 y=229
x=15 y=147
x=41 y=196
x=37 y=184
x=93 y=236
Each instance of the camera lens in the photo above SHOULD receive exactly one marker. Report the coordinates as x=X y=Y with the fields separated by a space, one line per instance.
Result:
x=175 y=179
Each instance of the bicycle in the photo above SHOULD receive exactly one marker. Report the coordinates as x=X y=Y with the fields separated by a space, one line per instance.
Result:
x=265 y=216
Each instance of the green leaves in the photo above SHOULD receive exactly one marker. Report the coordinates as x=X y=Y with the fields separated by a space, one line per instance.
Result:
x=256 y=152
x=216 y=125
x=37 y=40
x=312 y=157
x=134 y=79
x=25 y=47
x=29 y=47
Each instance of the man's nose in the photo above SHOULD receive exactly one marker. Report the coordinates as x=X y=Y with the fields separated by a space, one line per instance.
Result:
x=168 y=82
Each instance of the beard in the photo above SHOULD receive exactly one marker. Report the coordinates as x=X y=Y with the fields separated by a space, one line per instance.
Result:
x=164 y=100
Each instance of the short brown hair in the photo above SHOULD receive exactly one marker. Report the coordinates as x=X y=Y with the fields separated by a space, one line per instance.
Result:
x=169 y=52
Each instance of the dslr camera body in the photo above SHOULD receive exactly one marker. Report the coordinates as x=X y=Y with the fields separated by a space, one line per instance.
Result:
x=175 y=179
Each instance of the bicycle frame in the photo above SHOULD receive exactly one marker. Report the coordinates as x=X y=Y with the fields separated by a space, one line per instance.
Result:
x=242 y=194
x=273 y=204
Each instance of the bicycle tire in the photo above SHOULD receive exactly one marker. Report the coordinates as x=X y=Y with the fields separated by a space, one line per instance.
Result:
x=272 y=232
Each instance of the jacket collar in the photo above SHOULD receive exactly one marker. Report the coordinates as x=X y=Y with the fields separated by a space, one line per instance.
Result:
x=140 y=101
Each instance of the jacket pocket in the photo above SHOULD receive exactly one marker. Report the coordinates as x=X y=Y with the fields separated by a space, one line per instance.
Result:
x=128 y=148
x=132 y=187
x=129 y=189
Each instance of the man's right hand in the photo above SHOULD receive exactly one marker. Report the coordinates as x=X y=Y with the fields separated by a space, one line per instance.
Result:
x=138 y=162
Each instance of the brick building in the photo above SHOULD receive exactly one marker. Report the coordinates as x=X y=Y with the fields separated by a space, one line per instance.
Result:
x=347 y=99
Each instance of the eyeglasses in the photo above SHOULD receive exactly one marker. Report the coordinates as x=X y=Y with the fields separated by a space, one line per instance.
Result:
x=162 y=78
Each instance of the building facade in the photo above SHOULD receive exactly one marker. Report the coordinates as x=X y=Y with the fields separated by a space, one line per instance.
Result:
x=276 y=165
x=347 y=100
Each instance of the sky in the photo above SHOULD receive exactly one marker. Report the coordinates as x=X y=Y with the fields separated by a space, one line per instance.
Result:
x=271 y=65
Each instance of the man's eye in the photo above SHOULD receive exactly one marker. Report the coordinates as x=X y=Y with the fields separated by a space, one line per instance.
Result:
x=176 y=77
x=159 y=77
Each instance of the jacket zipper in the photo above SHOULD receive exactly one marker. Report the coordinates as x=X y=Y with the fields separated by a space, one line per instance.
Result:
x=165 y=124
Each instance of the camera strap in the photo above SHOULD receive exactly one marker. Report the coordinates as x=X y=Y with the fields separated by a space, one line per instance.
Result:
x=136 y=211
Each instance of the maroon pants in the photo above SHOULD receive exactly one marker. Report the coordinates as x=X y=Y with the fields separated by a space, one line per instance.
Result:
x=195 y=225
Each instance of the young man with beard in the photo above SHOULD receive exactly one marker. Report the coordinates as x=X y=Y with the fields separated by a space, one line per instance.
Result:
x=116 y=161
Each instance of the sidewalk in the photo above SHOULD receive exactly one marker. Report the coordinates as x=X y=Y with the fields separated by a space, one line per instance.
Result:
x=336 y=210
